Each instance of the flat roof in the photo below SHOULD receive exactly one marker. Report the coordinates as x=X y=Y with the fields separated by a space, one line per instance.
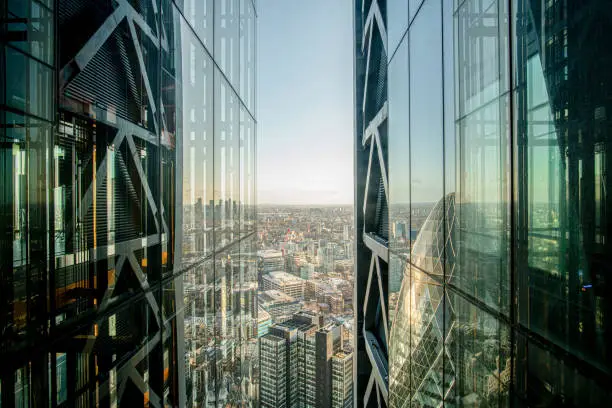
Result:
x=269 y=253
x=283 y=276
x=268 y=296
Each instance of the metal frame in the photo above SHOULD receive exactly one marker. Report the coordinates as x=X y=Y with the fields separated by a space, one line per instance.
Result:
x=370 y=370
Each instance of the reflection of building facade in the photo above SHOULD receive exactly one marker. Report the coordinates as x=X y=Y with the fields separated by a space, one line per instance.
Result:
x=127 y=252
x=498 y=201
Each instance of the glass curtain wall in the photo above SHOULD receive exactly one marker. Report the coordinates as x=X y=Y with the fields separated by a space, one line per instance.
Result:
x=128 y=271
x=499 y=235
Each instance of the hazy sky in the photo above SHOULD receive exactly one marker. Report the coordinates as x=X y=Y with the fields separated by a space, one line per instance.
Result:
x=305 y=96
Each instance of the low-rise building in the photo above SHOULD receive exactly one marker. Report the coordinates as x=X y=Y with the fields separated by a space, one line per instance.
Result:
x=284 y=282
x=279 y=305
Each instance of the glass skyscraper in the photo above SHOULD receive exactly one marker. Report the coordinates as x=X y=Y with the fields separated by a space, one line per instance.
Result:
x=128 y=268
x=499 y=206
x=371 y=324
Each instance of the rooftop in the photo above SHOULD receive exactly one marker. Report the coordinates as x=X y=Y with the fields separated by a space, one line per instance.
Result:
x=284 y=277
x=269 y=253
x=302 y=321
x=274 y=296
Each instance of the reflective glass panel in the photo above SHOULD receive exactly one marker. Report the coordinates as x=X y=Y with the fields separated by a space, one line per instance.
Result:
x=197 y=148
x=397 y=23
x=478 y=352
x=399 y=154
x=227 y=43
x=227 y=178
x=426 y=138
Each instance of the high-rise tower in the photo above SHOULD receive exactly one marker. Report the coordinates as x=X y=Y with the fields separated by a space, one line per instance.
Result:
x=128 y=203
x=498 y=137
x=371 y=203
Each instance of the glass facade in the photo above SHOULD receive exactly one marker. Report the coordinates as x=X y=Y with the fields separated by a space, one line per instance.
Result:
x=128 y=268
x=371 y=328
x=499 y=237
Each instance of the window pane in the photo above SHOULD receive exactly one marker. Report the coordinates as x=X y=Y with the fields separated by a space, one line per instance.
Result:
x=426 y=138
x=197 y=148
x=399 y=154
x=482 y=207
x=227 y=53
x=247 y=54
x=562 y=215
x=397 y=23
x=482 y=76
x=199 y=14
x=478 y=350
x=226 y=182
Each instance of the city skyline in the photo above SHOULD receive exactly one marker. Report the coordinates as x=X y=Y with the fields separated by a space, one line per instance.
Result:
x=280 y=204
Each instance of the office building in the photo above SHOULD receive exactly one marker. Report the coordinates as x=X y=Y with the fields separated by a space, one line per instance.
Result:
x=342 y=380
x=284 y=282
x=307 y=272
x=293 y=358
x=128 y=203
x=270 y=260
x=264 y=321
x=371 y=229
x=328 y=341
x=294 y=331
x=318 y=372
x=274 y=376
x=279 y=305
x=492 y=157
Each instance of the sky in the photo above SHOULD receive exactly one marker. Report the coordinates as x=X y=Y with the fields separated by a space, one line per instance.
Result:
x=305 y=102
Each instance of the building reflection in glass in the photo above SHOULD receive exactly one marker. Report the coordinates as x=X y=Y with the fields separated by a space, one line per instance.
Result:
x=500 y=291
x=128 y=270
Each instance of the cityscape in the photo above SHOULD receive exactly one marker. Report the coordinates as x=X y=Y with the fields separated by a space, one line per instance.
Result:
x=305 y=204
x=305 y=267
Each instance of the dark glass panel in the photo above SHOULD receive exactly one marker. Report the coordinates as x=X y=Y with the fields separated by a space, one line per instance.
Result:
x=478 y=353
x=31 y=86
x=25 y=206
x=199 y=340
x=562 y=99
x=482 y=166
x=545 y=379
x=31 y=28
x=482 y=209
